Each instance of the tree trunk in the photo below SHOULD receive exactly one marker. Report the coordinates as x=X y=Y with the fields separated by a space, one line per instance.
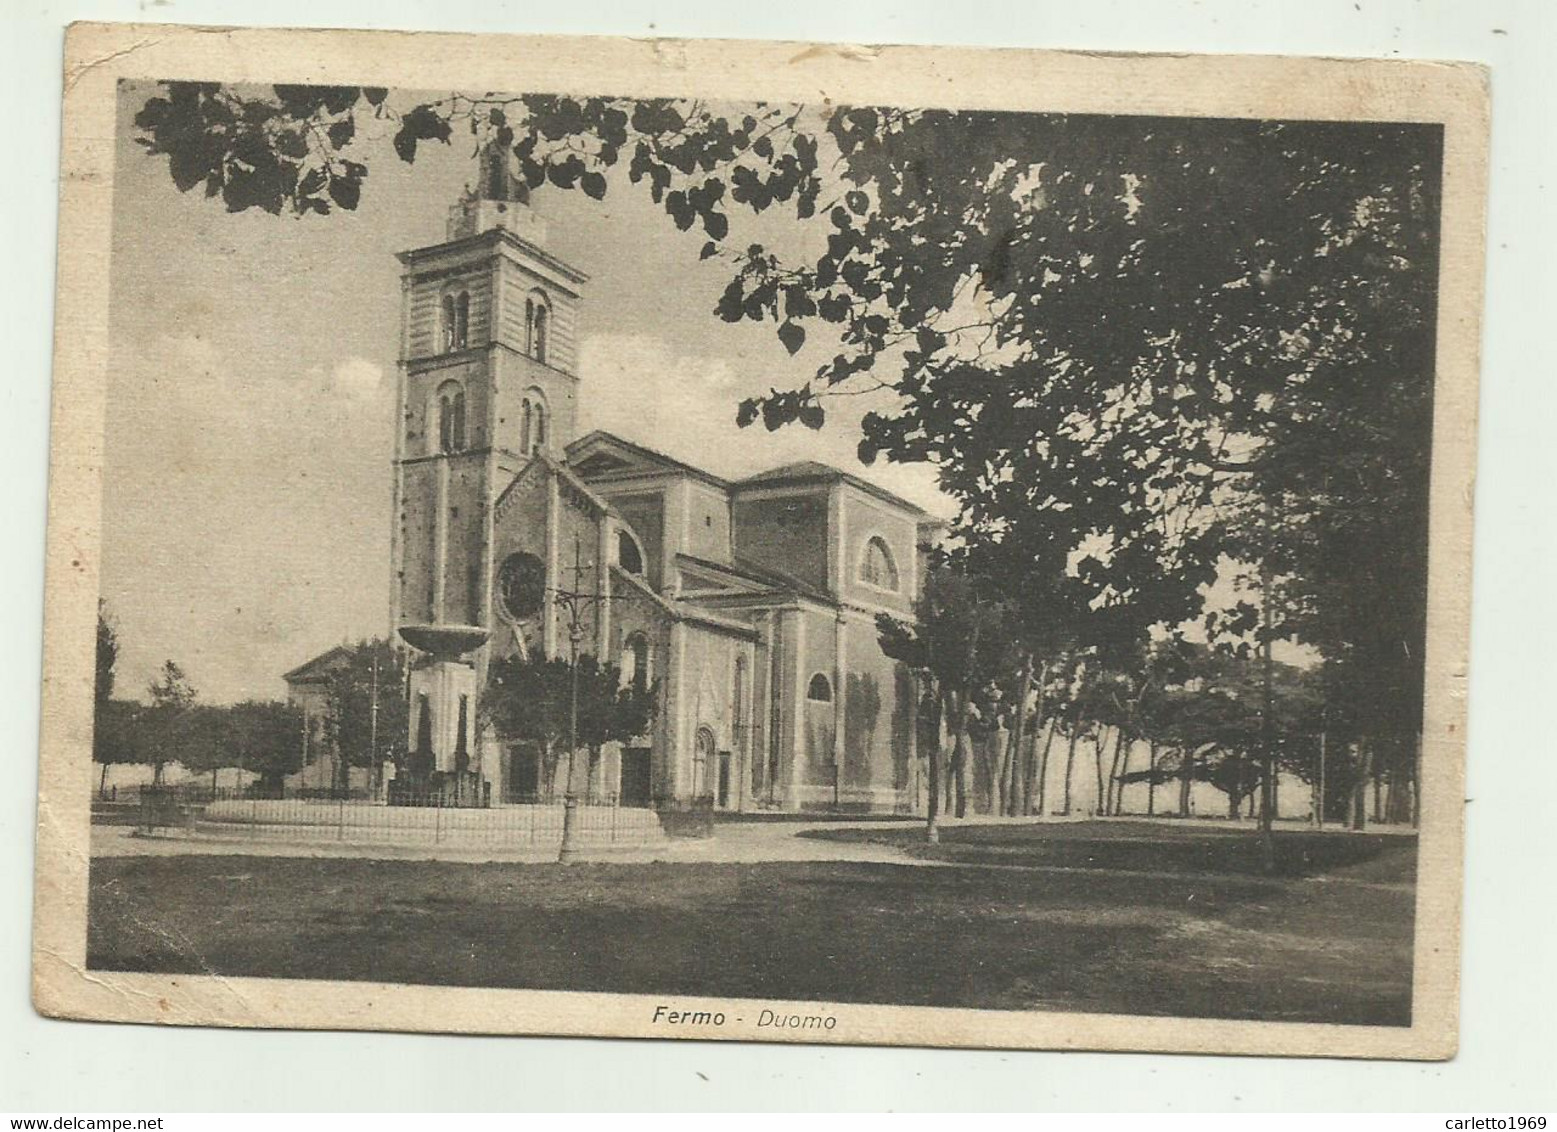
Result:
x=997 y=754
x=960 y=753
x=1043 y=771
x=1018 y=733
x=1116 y=769
x=1070 y=764
x=1360 y=787
x=1378 y=791
x=102 y=782
x=1124 y=769
x=1029 y=769
x=1098 y=743
x=932 y=826
x=1186 y=779
x=1267 y=731
x=1151 y=781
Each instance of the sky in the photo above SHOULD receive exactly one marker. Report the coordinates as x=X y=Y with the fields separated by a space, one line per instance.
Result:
x=248 y=440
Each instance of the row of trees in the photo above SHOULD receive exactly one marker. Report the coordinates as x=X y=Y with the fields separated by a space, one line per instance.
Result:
x=365 y=723
x=172 y=726
x=1189 y=713
x=1225 y=713
x=267 y=738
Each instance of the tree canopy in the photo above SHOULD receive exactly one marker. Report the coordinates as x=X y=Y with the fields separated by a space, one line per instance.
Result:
x=366 y=715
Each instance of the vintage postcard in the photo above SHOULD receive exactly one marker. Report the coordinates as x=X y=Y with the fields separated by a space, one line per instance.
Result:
x=760 y=541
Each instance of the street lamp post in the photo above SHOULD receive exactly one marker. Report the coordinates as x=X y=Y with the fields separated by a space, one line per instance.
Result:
x=576 y=601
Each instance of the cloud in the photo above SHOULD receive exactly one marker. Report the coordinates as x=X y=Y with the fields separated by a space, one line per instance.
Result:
x=356 y=377
x=245 y=508
x=641 y=388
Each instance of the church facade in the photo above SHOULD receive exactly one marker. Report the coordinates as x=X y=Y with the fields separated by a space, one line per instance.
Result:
x=748 y=605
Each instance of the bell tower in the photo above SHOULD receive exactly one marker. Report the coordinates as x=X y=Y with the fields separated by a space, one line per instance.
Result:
x=488 y=383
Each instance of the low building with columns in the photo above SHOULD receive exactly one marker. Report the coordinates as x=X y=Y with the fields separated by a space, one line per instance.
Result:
x=750 y=605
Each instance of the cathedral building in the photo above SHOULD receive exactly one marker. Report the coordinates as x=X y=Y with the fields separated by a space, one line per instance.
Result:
x=749 y=605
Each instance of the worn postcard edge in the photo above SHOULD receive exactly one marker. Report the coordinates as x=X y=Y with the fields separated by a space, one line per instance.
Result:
x=98 y=55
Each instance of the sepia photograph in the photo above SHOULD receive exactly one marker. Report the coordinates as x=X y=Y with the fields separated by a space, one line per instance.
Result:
x=953 y=568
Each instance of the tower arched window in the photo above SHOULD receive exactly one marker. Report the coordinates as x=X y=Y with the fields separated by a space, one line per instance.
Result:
x=449 y=325
x=876 y=566
x=532 y=422
x=820 y=690
x=537 y=325
x=628 y=556
x=455 y=317
x=451 y=417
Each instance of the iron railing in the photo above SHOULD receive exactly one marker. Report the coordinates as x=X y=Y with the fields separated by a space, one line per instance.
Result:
x=414 y=818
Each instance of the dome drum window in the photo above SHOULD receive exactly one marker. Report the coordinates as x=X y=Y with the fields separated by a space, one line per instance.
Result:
x=628 y=556
x=877 y=567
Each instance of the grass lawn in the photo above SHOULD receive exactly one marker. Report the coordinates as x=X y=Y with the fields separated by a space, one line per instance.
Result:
x=1179 y=943
x=1233 y=848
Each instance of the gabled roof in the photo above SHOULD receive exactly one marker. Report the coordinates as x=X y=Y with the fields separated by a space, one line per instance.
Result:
x=812 y=472
x=320 y=668
x=801 y=469
x=578 y=454
x=567 y=474
x=800 y=472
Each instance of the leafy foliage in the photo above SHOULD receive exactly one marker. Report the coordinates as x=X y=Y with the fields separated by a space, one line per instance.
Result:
x=609 y=710
x=529 y=700
x=366 y=720
x=120 y=734
x=282 y=151
x=262 y=736
x=170 y=719
x=107 y=655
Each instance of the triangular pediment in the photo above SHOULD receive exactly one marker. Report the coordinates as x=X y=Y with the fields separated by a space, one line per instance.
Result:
x=532 y=480
x=605 y=457
x=603 y=464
